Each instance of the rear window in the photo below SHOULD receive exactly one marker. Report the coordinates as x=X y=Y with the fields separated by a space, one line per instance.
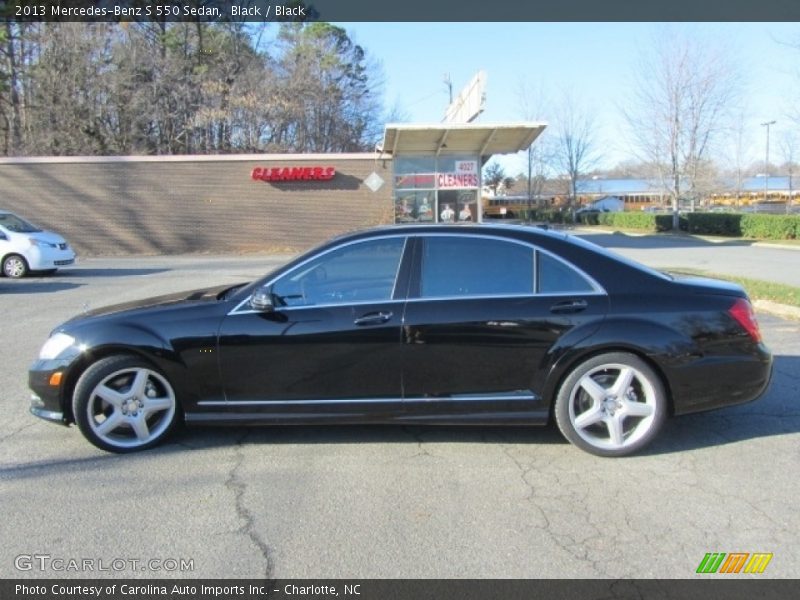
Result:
x=557 y=277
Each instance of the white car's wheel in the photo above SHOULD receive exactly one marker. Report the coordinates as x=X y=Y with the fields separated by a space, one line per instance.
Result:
x=15 y=266
x=122 y=404
x=611 y=405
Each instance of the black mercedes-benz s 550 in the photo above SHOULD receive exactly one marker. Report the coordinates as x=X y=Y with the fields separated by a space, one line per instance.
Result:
x=427 y=324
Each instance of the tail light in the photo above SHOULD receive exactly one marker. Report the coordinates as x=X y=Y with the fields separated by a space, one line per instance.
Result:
x=743 y=313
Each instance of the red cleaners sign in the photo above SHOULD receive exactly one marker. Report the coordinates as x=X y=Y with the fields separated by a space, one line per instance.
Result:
x=293 y=173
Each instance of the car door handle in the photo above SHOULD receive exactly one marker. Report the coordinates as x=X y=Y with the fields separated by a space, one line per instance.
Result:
x=373 y=318
x=569 y=306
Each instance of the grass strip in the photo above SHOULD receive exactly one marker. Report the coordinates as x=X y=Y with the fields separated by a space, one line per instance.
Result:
x=755 y=288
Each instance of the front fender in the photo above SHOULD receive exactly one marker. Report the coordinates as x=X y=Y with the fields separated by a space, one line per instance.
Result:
x=95 y=343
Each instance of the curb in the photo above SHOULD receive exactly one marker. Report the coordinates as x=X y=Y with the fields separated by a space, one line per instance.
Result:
x=778 y=246
x=779 y=310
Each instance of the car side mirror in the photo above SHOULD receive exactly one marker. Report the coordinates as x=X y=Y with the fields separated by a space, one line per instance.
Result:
x=3 y=236
x=261 y=300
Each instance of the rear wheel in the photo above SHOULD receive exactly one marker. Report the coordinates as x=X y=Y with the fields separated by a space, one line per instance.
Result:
x=611 y=405
x=123 y=404
x=15 y=266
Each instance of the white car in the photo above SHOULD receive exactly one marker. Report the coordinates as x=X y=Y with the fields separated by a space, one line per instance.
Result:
x=24 y=247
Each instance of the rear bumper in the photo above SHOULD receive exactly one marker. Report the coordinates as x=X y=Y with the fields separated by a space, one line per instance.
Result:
x=719 y=381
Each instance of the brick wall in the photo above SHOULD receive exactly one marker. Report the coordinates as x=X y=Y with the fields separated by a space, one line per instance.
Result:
x=122 y=206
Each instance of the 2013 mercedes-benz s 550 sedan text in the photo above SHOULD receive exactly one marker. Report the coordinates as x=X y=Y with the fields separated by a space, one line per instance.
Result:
x=414 y=324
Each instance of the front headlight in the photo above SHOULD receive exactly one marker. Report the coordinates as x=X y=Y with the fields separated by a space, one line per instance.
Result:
x=55 y=346
x=41 y=243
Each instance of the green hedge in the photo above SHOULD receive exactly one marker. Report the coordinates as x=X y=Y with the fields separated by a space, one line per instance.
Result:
x=771 y=227
x=636 y=220
x=549 y=215
x=715 y=223
x=587 y=218
x=765 y=227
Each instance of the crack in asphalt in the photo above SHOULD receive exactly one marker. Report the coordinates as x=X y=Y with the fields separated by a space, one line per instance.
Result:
x=237 y=485
x=523 y=475
x=568 y=543
x=764 y=515
x=16 y=431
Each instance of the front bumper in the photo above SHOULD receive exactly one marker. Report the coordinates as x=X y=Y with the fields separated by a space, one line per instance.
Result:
x=47 y=415
x=47 y=400
x=45 y=259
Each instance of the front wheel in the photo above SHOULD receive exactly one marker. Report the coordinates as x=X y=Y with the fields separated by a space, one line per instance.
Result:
x=611 y=405
x=122 y=404
x=15 y=266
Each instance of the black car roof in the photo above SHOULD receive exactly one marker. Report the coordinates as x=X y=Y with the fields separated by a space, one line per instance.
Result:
x=506 y=230
x=602 y=263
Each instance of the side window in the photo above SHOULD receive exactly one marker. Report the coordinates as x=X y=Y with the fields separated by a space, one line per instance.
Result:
x=454 y=266
x=556 y=277
x=360 y=272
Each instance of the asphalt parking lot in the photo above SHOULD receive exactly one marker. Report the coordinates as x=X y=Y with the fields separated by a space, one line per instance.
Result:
x=381 y=502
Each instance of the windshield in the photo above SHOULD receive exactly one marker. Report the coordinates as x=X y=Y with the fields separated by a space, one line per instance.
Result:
x=17 y=225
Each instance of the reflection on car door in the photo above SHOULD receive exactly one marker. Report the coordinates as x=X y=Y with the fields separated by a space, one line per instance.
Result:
x=475 y=334
x=333 y=337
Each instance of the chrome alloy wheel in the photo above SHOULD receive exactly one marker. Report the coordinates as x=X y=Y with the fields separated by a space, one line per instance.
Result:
x=131 y=407
x=612 y=406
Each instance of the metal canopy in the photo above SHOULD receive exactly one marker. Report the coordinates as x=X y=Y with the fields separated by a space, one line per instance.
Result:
x=482 y=139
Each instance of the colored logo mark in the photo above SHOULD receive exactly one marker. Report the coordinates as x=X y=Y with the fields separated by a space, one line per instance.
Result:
x=734 y=562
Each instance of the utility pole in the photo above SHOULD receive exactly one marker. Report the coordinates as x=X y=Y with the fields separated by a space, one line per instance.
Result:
x=530 y=182
x=449 y=83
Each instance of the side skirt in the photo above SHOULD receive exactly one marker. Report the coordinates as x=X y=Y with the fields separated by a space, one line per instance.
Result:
x=469 y=409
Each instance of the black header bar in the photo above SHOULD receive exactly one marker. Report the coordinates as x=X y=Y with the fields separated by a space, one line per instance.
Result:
x=400 y=10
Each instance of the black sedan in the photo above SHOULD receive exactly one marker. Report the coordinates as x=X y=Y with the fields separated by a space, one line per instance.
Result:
x=427 y=324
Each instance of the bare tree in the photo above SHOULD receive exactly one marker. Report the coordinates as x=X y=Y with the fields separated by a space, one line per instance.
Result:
x=738 y=150
x=495 y=177
x=161 y=87
x=533 y=106
x=575 y=146
x=678 y=106
x=328 y=100
x=70 y=100
x=16 y=54
x=788 y=145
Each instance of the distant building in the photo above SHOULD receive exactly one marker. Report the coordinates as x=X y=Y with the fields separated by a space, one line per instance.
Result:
x=638 y=194
x=633 y=194
x=779 y=189
x=607 y=204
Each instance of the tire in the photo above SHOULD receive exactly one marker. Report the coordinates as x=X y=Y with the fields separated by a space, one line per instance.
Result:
x=123 y=404
x=15 y=266
x=611 y=405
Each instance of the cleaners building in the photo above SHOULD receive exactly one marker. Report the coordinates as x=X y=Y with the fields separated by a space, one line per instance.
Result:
x=123 y=205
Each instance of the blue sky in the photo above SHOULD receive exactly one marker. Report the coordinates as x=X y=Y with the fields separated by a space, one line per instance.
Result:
x=598 y=60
